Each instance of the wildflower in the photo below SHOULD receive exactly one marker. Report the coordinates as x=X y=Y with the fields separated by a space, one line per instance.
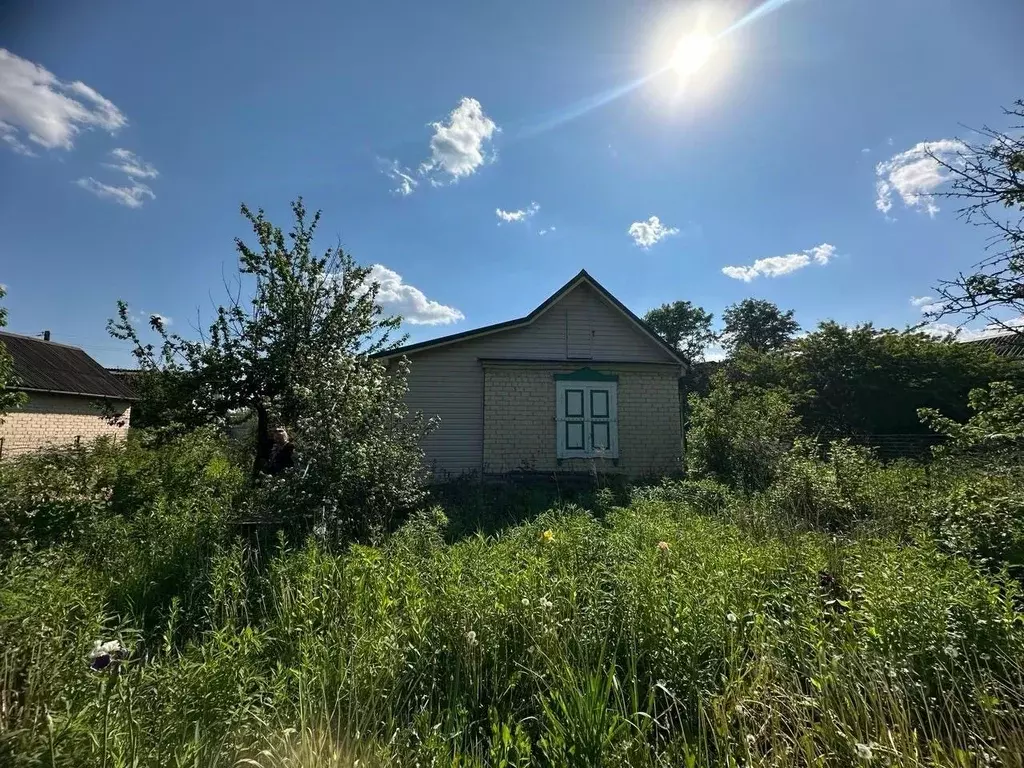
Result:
x=103 y=654
x=663 y=547
x=951 y=651
x=863 y=751
x=525 y=601
x=751 y=740
x=546 y=604
x=548 y=536
x=731 y=617
x=471 y=638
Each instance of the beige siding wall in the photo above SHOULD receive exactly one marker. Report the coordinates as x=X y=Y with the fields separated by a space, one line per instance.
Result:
x=520 y=425
x=448 y=381
x=47 y=420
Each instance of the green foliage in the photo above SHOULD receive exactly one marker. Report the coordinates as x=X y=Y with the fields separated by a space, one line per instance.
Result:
x=864 y=380
x=170 y=503
x=759 y=325
x=995 y=430
x=739 y=436
x=653 y=637
x=982 y=518
x=8 y=398
x=684 y=326
x=362 y=460
x=299 y=350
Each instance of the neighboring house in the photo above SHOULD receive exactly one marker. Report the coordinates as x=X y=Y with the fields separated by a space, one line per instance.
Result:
x=581 y=383
x=71 y=397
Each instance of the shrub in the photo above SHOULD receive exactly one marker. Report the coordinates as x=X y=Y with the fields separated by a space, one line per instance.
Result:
x=739 y=437
x=982 y=518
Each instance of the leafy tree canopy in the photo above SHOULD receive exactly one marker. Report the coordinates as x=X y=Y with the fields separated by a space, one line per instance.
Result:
x=759 y=325
x=866 y=380
x=684 y=326
x=294 y=343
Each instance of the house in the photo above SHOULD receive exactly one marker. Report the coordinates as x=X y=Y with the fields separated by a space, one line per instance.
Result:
x=580 y=383
x=71 y=397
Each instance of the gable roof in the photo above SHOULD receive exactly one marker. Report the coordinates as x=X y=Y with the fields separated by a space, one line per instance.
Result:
x=581 y=277
x=59 y=369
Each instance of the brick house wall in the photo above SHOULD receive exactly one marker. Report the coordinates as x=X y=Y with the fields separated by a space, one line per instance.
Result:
x=520 y=419
x=51 y=420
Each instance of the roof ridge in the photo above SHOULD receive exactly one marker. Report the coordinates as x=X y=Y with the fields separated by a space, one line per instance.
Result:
x=41 y=341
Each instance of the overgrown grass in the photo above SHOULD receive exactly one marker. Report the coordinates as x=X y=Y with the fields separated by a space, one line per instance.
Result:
x=594 y=647
x=691 y=627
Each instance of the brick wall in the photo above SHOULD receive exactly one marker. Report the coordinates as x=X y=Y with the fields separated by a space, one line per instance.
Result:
x=519 y=421
x=59 y=420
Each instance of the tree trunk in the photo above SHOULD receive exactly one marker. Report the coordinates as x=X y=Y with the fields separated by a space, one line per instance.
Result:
x=262 y=440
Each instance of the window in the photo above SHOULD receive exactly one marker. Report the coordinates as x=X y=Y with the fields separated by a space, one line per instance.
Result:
x=586 y=415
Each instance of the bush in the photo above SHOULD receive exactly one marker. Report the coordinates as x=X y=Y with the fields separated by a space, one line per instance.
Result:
x=739 y=437
x=982 y=518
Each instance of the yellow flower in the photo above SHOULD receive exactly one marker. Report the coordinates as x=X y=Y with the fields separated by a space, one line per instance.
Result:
x=548 y=536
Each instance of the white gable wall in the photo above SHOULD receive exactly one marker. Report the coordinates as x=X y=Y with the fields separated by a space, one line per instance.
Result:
x=448 y=381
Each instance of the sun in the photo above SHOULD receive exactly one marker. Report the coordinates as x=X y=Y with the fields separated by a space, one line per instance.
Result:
x=692 y=53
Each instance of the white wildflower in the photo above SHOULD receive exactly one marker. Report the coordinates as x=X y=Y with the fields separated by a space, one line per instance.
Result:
x=471 y=638
x=863 y=751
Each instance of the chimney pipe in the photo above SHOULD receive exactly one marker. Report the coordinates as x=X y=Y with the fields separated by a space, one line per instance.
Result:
x=46 y=335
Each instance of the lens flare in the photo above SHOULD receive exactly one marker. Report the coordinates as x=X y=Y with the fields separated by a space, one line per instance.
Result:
x=692 y=53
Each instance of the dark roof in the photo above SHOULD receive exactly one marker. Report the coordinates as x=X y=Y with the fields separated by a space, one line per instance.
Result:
x=46 y=366
x=581 y=276
x=1008 y=345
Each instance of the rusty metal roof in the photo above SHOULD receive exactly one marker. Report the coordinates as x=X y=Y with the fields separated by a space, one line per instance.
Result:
x=46 y=366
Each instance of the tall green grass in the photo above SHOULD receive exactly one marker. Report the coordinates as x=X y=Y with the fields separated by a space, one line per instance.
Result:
x=655 y=635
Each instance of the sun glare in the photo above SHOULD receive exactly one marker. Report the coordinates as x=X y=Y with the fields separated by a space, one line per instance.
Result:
x=692 y=53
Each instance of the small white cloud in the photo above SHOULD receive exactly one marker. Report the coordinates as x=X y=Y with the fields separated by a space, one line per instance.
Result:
x=132 y=196
x=37 y=106
x=647 y=233
x=775 y=266
x=915 y=174
x=132 y=165
x=405 y=183
x=545 y=231
x=510 y=217
x=134 y=193
x=400 y=298
x=865 y=151
x=458 y=147
x=927 y=304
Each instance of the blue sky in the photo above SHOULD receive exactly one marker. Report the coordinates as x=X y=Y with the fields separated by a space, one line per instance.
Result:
x=130 y=133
